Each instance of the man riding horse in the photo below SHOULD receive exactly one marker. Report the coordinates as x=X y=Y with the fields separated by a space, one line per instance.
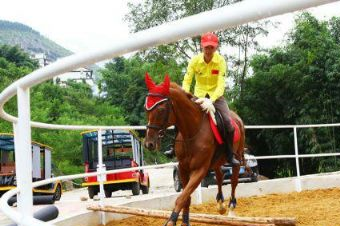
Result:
x=197 y=147
x=209 y=69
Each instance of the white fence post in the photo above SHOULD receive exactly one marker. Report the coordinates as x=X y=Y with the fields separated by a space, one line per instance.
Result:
x=298 y=177
x=23 y=154
x=100 y=169
x=199 y=194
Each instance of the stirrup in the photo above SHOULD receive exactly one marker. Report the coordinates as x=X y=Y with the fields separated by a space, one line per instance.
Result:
x=169 y=153
x=235 y=162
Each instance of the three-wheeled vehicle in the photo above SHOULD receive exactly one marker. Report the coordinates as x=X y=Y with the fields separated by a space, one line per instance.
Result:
x=41 y=167
x=121 y=149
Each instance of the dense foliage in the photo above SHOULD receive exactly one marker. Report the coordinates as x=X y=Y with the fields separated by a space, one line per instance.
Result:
x=235 y=43
x=296 y=84
x=123 y=83
x=50 y=103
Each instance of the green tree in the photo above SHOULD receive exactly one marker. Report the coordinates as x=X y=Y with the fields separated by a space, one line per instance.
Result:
x=74 y=104
x=15 y=55
x=151 y=13
x=334 y=26
x=123 y=84
x=296 y=84
x=14 y=63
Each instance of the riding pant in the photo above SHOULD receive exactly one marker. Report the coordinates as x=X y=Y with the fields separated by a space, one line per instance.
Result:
x=222 y=106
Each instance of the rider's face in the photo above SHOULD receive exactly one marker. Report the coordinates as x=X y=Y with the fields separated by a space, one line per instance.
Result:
x=208 y=52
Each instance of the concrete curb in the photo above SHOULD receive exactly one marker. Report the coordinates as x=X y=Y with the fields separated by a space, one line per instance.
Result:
x=285 y=185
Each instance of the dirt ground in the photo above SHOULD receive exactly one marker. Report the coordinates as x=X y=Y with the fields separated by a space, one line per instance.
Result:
x=310 y=208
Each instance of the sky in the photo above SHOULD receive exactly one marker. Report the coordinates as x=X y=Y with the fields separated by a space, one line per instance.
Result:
x=81 y=25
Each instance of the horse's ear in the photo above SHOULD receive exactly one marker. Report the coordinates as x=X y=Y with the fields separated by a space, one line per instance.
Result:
x=166 y=82
x=148 y=81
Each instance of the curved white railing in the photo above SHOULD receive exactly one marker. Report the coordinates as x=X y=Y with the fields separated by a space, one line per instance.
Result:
x=222 y=18
x=11 y=213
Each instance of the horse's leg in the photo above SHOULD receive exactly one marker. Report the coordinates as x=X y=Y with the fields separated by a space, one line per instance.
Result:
x=185 y=211
x=219 y=197
x=238 y=151
x=196 y=177
x=234 y=182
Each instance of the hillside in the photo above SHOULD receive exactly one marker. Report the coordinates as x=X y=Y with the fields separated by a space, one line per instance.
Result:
x=12 y=33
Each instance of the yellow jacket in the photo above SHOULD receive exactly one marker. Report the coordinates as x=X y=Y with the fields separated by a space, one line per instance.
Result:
x=210 y=78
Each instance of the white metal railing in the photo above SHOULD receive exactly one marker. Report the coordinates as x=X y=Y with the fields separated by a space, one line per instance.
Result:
x=297 y=156
x=14 y=215
x=101 y=172
x=222 y=18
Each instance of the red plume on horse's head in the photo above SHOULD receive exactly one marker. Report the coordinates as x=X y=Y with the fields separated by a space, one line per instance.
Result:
x=148 y=81
x=162 y=89
x=166 y=83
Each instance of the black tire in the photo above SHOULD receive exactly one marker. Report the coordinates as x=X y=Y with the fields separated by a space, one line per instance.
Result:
x=108 y=193
x=135 y=188
x=92 y=190
x=255 y=174
x=57 y=193
x=177 y=182
x=145 y=188
x=205 y=182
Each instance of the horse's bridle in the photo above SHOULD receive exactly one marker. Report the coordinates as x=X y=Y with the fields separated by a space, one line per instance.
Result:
x=161 y=128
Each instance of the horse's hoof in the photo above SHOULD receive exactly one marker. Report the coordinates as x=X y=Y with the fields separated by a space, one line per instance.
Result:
x=221 y=207
x=232 y=204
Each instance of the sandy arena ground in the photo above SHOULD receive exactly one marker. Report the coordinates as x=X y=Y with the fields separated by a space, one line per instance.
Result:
x=311 y=208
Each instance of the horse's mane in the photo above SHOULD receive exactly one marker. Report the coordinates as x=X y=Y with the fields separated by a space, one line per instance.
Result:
x=178 y=88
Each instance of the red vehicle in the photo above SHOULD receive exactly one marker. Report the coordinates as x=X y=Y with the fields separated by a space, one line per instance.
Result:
x=121 y=149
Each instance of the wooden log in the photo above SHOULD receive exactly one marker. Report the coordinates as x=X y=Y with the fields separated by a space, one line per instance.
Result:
x=201 y=218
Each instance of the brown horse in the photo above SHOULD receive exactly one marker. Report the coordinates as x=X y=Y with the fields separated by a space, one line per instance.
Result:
x=196 y=148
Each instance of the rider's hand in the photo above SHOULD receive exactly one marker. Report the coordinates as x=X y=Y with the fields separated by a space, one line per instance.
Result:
x=207 y=106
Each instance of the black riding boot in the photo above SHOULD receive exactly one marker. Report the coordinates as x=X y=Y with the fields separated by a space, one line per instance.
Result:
x=229 y=144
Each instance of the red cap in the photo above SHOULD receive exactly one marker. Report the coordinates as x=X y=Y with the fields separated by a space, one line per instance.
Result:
x=209 y=39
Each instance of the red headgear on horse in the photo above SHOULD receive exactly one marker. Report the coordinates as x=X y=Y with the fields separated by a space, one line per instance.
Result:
x=157 y=93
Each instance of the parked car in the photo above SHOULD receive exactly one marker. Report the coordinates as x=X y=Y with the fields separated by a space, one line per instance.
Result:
x=210 y=179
